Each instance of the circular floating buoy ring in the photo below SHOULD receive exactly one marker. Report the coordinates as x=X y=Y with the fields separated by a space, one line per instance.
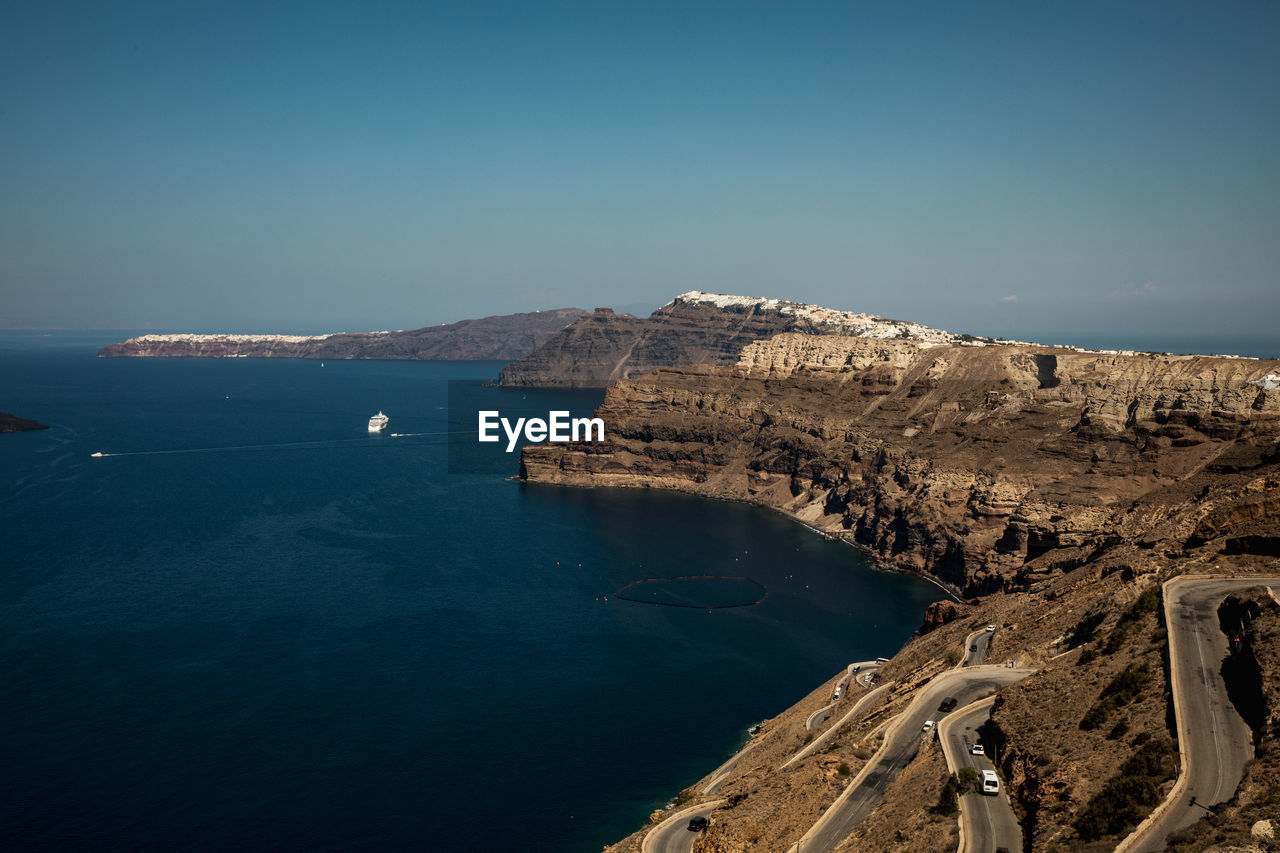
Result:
x=695 y=592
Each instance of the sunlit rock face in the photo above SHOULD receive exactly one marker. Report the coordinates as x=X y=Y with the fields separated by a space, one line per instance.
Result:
x=981 y=465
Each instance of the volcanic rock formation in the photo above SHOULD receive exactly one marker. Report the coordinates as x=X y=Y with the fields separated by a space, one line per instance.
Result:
x=693 y=328
x=499 y=338
x=1055 y=488
x=966 y=462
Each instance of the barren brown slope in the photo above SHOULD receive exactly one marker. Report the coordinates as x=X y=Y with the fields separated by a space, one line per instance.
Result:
x=1082 y=629
x=1054 y=488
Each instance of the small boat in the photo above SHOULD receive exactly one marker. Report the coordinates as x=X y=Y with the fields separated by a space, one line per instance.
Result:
x=378 y=422
x=98 y=454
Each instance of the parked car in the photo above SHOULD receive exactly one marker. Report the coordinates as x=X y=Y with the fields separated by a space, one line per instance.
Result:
x=928 y=724
x=697 y=824
x=977 y=749
x=991 y=628
x=947 y=704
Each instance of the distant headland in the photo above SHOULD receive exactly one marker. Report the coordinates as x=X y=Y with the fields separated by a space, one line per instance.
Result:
x=499 y=338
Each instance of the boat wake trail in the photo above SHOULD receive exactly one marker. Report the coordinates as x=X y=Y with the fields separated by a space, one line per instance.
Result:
x=287 y=445
x=696 y=592
x=335 y=442
x=449 y=432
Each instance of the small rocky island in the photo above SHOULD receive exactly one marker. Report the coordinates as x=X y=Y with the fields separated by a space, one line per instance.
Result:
x=13 y=423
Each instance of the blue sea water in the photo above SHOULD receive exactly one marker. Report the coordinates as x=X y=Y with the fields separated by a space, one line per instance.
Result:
x=261 y=628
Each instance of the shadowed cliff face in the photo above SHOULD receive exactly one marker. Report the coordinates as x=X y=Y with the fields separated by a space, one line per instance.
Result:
x=603 y=347
x=487 y=339
x=694 y=328
x=985 y=466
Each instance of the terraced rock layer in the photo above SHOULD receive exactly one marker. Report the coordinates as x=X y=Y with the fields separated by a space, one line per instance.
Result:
x=1055 y=489
x=963 y=462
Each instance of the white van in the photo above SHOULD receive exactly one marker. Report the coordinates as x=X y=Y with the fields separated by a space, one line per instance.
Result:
x=990 y=784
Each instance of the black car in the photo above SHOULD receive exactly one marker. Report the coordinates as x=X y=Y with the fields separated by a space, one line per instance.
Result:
x=698 y=824
x=947 y=704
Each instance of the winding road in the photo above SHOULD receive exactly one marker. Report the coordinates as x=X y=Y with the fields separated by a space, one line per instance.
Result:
x=673 y=835
x=1213 y=741
x=863 y=704
x=865 y=667
x=901 y=744
x=976 y=646
x=986 y=822
x=815 y=719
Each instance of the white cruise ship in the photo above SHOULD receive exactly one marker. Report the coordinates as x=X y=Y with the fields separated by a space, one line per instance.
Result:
x=378 y=422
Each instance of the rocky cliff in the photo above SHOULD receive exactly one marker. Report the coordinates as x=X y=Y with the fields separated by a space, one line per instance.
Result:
x=966 y=462
x=1053 y=488
x=694 y=328
x=499 y=338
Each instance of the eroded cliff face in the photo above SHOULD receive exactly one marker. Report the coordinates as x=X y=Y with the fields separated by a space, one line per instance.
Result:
x=1056 y=489
x=694 y=328
x=498 y=338
x=967 y=462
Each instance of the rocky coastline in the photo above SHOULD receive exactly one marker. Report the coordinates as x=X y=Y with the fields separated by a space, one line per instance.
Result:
x=1053 y=488
x=964 y=462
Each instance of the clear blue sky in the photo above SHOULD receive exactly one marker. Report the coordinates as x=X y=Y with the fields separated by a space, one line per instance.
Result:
x=373 y=165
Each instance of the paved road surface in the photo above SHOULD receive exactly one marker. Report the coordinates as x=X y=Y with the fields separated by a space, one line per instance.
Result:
x=673 y=835
x=820 y=716
x=902 y=743
x=722 y=772
x=1214 y=741
x=864 y=704
x=988 y=822
x=858 y=670
x=864 y=668
x=815 y=719
x=978 y=656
